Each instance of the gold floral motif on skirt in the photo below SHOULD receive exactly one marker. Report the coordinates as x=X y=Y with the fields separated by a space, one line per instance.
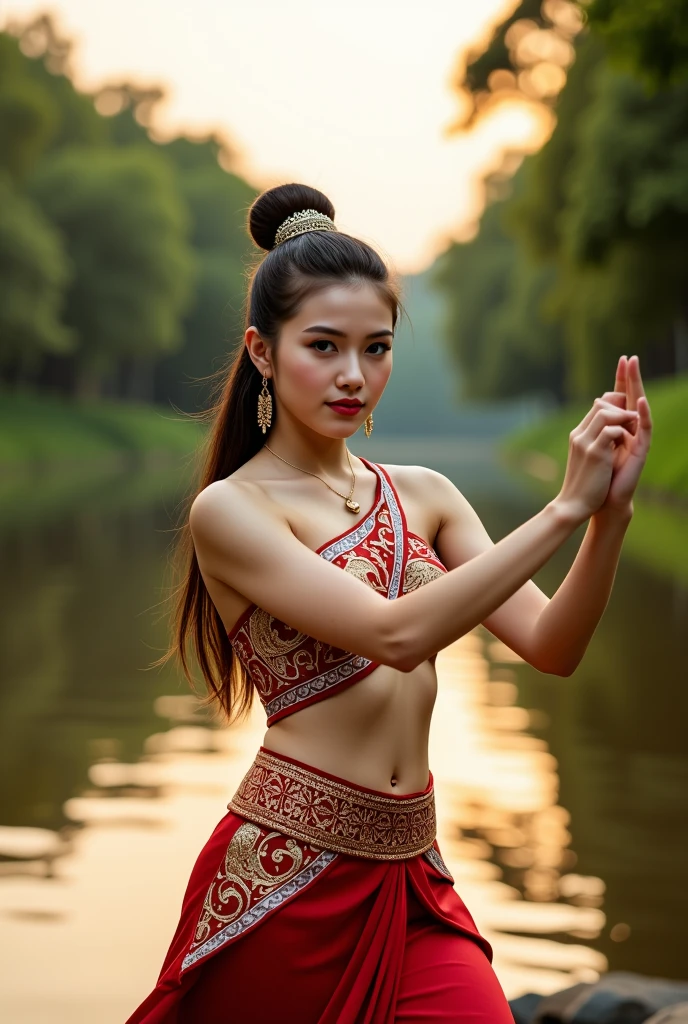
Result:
x=255 y=864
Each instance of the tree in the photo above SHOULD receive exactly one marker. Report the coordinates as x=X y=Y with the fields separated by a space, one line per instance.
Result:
x=598 y=219
x=495 y=324
x=125 y=228
x=28 y=113
x=647 y=39
x=218 y=203
x=34 y=273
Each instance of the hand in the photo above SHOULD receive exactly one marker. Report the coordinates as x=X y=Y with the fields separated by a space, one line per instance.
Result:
x=631 y=452
x=592 y=452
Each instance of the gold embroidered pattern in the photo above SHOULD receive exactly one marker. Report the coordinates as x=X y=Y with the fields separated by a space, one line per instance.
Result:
x=419 y=572
x=308 y=806
x=261 y=869
x=272 y=643
x=291 y=670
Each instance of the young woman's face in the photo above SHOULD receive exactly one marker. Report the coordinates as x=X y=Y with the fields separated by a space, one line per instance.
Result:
x=338 y=347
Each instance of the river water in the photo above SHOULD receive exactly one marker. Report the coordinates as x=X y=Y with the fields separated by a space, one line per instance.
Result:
x=562 y=802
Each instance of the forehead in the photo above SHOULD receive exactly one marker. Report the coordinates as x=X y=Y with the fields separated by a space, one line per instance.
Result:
x=345 y=307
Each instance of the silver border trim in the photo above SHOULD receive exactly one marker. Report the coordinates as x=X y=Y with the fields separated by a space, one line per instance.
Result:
x=255 y=915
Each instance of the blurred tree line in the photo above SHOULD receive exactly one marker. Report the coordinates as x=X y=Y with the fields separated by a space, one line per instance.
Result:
x=122 y=260
x=581 y=253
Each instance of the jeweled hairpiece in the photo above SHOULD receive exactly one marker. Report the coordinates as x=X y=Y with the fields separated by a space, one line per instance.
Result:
x=304 y=220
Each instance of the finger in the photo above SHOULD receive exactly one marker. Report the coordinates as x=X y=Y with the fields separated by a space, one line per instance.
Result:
x=615 y=398
x=620 y=383
x=644 y=424
x=610 y=416
x=599 y=403
x=601 y=413
x=634 y=371
x=607 y=438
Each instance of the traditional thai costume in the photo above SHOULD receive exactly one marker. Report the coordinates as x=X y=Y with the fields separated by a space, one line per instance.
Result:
x=315 y=900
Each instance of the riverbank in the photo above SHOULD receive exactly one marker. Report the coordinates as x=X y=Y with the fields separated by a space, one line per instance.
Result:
x=45 y=432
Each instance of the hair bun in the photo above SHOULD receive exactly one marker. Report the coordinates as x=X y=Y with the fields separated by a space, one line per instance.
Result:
x=272 y=207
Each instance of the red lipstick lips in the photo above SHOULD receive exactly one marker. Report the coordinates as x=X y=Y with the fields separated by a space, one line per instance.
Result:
x=346 y=406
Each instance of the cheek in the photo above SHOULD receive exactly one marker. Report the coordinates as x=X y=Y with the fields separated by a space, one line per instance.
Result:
x=304 y=375
x=378 y=376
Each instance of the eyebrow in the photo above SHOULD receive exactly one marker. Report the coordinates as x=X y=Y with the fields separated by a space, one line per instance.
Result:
x=319 y=329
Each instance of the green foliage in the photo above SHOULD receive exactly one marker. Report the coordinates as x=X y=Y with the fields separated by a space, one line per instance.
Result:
x=496 y=324
x=123 y=260
x=125 y=229
x=649 y=38
x=585 y=260
x=218 y=203
x=28 y=113
x=34 y=272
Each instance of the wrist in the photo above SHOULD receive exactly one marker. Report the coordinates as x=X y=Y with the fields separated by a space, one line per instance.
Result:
x=568 y=513
x=614 y=513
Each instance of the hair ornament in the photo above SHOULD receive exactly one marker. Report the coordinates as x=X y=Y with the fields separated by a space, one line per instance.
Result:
x=302 y=221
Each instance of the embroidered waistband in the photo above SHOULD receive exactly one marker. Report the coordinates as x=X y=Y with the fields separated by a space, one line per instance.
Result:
x=301 y=802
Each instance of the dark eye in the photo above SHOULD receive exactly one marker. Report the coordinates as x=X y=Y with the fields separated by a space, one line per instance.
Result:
x=384 y=347
x=321 y=341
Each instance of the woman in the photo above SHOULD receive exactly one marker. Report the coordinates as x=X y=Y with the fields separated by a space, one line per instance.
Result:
x=322 y=895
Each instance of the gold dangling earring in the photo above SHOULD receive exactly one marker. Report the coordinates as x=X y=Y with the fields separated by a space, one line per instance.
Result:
x=369 y=424
x=264 y=407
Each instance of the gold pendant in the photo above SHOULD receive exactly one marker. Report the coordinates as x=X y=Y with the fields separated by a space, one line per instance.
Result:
x=352 y=505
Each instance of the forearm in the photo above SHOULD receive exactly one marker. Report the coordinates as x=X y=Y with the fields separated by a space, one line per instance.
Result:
x=431 y=617
x=566 y=625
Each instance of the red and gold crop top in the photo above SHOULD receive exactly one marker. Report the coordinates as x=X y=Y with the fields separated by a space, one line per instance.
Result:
x=291 y=670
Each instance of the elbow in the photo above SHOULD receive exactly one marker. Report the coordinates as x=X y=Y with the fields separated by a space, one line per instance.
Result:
x=401 y=649
x=406 y=661
x=559 y=669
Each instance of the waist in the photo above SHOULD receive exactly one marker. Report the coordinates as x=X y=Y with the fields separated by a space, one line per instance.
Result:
x=324 y=810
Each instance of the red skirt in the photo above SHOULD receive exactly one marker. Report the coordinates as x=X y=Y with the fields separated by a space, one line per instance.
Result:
x=275 y=927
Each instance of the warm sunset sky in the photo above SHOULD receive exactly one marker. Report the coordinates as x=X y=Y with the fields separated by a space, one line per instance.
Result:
x=352 y=97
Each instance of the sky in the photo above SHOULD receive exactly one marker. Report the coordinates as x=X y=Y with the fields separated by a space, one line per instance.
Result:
x=354 y=98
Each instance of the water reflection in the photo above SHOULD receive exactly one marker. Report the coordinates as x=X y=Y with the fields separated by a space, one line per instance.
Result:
x=562 y=802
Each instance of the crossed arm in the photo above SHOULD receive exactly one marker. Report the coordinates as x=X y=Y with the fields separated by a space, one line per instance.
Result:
x=240 y=539
x=550 y=634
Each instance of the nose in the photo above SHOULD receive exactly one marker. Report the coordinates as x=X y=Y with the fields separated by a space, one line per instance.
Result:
x=350 y=374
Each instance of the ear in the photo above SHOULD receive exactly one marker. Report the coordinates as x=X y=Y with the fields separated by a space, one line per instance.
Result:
x=259 y=350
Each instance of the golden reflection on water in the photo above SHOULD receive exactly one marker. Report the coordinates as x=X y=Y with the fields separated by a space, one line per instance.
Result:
x=97 y=905
x=497 y=791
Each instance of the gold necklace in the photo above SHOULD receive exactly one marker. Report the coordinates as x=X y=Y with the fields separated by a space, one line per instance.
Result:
x=349 y=503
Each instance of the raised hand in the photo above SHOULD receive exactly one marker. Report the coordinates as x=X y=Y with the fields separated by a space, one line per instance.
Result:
x=632 y=448
x=593 y=447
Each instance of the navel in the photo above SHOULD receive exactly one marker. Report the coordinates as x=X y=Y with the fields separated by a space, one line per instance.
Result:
x=393 y=780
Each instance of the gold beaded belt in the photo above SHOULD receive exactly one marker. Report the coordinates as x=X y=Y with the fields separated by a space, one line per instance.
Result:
x=304 y=803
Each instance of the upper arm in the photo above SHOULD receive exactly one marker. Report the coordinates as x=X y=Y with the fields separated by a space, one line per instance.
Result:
x=242 y=541
x=460 y=537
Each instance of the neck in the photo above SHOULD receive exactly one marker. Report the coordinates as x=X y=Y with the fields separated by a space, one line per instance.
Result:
x=309 y=450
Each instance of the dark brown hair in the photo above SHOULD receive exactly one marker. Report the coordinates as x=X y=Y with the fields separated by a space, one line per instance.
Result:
x=277 y=286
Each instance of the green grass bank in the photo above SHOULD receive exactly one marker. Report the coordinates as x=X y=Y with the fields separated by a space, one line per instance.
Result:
x=40 y=431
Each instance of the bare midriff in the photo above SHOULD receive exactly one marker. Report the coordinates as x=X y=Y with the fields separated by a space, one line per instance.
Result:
x=375 y=733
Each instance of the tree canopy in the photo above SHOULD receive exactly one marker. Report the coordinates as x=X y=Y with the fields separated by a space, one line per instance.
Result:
x=584 y=259
x=121 y=257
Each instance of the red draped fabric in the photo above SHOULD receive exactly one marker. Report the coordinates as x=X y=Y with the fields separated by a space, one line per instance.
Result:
x=273 y=929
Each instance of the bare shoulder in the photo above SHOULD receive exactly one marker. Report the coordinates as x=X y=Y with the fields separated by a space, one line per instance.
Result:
x=230 y=502
x=421 y=482
x=428 y=489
